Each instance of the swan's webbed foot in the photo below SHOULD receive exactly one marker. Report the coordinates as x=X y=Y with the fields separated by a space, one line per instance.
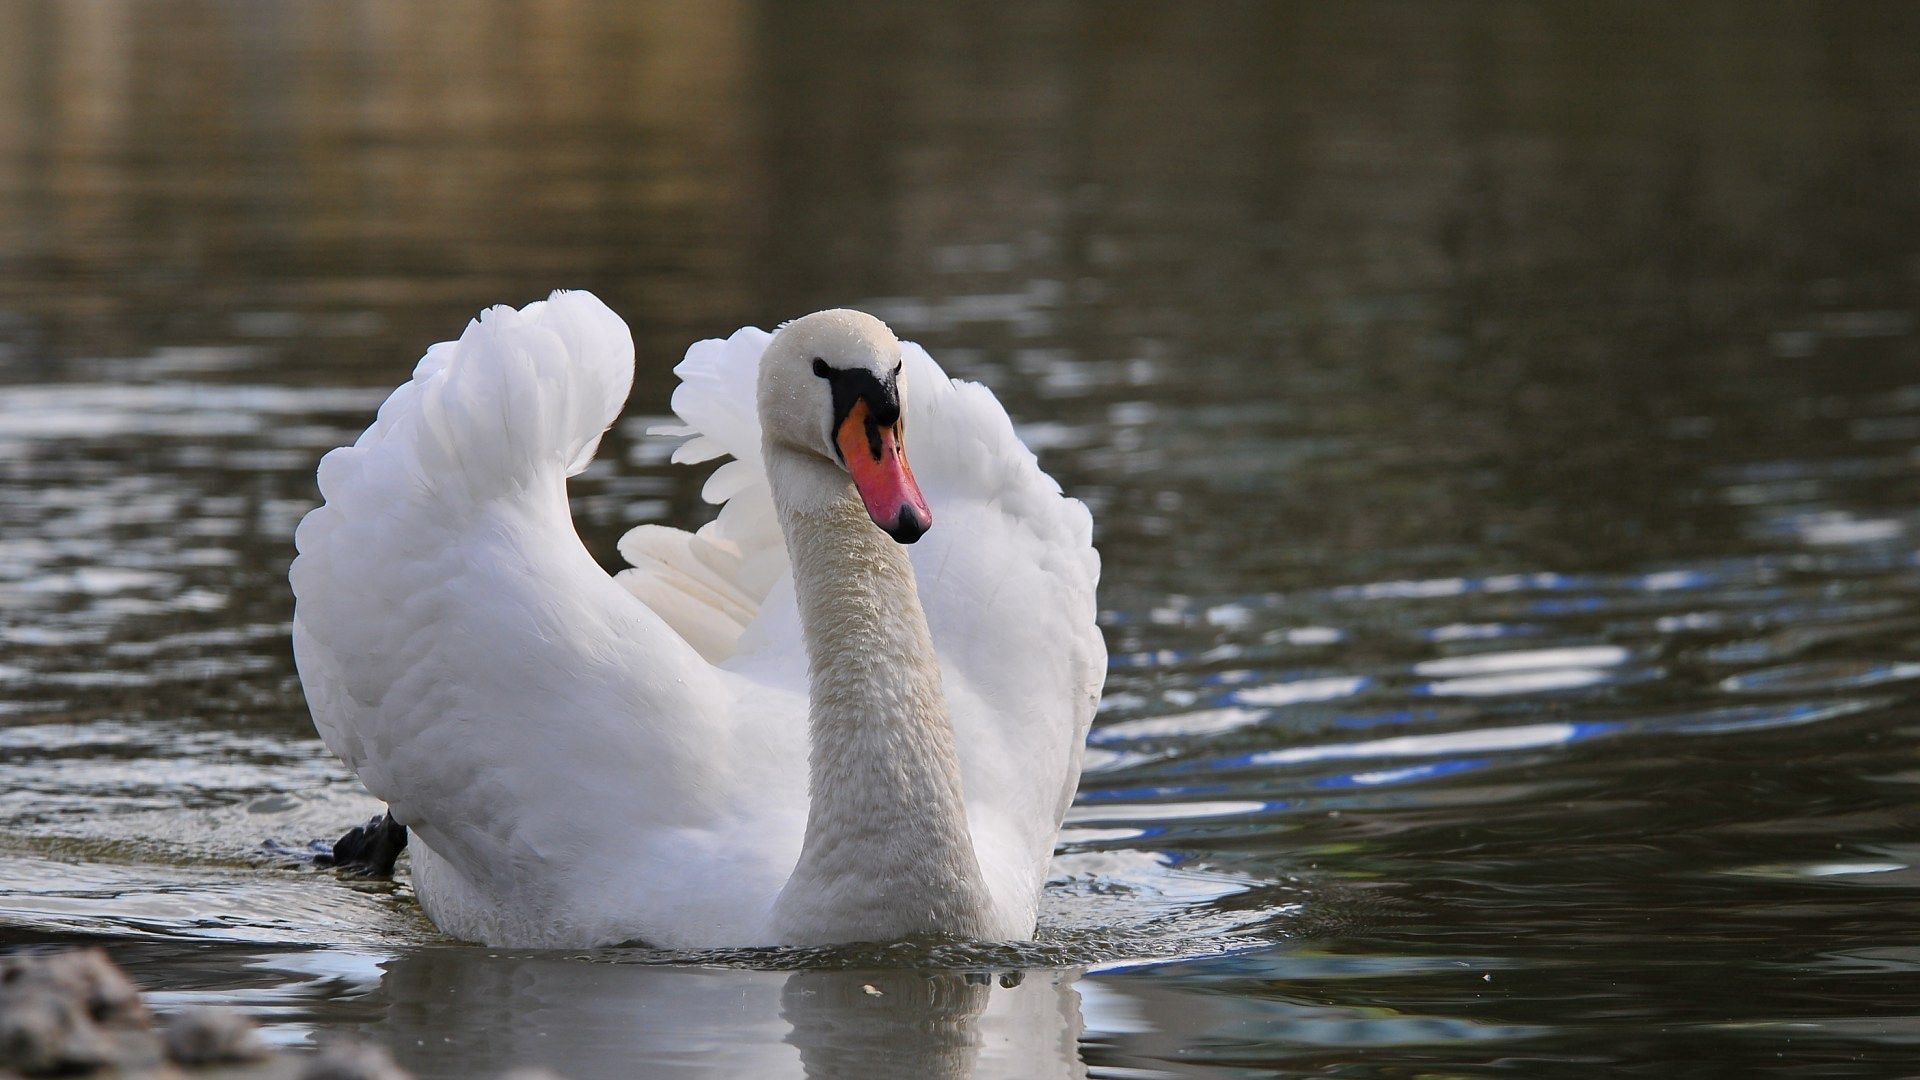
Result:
x=369 y=850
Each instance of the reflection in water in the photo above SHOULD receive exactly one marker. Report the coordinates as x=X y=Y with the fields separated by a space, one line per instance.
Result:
x=905 y=1025
x=458 y=1012
x=1501 y=423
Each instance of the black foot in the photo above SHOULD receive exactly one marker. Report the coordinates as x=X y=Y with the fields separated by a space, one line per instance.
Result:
x=369 y=850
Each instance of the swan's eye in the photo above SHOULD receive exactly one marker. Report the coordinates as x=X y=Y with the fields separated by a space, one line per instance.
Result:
x=821 y=369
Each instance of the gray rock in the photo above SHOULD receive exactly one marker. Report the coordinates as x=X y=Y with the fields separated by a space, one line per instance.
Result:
x=345 y=1060
x=206 y=1036
x=84 y=976
x=44 y=1034
x=71 y=1012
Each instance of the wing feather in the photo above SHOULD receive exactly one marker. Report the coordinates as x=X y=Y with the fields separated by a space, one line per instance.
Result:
x=448 y=618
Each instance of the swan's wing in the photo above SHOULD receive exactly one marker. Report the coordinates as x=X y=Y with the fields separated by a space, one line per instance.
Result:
x=465 y=656
x=709 y=585
x=1007 y=576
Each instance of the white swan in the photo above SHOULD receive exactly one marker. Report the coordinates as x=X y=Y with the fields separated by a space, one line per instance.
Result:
x=781 y=729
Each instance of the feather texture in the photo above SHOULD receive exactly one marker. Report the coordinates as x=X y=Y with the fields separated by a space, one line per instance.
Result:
x=588 y=760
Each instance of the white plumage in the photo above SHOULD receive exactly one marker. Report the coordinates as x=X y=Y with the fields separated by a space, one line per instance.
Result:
x=586 y=759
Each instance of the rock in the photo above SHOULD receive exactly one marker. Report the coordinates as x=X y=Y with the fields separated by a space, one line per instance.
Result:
x=43 y=1035
x=71 y=1012
x=84 y=976
x=345 y=1060
x=207 y=1036
x=74 y=1013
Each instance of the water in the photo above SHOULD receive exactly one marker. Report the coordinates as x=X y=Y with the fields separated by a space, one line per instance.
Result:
x=1501 y=425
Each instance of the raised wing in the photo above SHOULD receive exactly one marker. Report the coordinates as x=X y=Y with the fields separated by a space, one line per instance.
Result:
x=465 y=656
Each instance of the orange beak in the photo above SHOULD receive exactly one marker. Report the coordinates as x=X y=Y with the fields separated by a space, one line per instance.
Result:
x=877 y=459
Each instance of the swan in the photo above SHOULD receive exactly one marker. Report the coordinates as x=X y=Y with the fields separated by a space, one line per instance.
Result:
x=786 y=728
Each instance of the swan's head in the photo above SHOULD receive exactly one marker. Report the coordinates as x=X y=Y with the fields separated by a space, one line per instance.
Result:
x=832 y=386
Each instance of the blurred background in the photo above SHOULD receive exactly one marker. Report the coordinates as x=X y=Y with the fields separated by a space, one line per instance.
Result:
x=1500 y=424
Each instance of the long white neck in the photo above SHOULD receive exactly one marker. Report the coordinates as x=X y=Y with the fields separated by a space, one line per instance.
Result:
x=887 y=852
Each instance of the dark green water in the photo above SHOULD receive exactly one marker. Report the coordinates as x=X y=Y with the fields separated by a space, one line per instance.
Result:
x=1502 y=425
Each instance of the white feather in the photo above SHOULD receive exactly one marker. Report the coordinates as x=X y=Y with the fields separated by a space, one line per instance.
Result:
x=587 y=761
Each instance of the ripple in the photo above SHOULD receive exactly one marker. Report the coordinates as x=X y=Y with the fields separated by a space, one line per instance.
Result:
x=1189 y=725
x=1493 y=740
x=1824 y=869
x=1819 y=675
x=1487 y=663
x=1524 y=682
x=1898 y=959
x=141 y=899
x=1274 y=695
x=1168 y=811
x=94 y=411
x=1836 y=528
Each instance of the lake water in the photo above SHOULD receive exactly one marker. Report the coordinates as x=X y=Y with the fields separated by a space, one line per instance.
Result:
x=1502 y=425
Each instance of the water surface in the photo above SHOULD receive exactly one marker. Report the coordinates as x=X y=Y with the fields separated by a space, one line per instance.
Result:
x=1501 y=426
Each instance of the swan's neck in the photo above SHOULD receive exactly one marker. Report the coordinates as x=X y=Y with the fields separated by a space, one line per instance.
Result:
x=887 y=852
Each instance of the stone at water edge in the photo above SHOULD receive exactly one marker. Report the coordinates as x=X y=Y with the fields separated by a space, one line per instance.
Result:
x=205 y=1036
x=75 y=1013
x=345 y=1060
x=72 y=1011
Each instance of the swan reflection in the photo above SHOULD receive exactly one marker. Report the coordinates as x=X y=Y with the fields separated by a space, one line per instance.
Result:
x=471 y=1012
